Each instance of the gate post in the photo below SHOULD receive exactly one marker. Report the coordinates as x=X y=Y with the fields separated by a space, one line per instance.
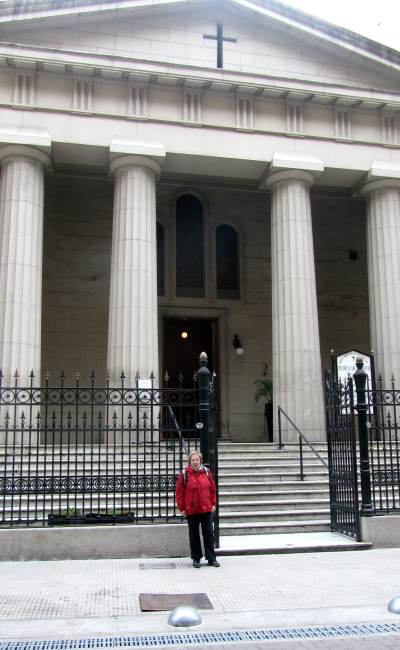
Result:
x=360 y=379
x=204 y=379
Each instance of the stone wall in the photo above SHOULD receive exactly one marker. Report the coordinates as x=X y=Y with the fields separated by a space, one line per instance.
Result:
x=76 y=272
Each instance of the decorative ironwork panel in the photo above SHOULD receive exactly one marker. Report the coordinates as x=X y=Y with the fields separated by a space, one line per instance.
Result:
x=86 y=484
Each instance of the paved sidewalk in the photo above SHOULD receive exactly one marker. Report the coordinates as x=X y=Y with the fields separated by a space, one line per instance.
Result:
x=99 y=598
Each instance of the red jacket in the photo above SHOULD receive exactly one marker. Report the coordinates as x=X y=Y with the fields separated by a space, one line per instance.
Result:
x=199 y=494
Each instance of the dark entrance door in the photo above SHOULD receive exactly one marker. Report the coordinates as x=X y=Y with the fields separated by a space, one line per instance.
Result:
x=184 y=340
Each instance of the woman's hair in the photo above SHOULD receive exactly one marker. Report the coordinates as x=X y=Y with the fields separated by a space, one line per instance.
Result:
x=195 y=453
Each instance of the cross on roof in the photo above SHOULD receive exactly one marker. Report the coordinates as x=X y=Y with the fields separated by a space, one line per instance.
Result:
x=220 y=38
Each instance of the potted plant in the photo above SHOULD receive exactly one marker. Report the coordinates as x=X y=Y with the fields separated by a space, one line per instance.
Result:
x=264 y=390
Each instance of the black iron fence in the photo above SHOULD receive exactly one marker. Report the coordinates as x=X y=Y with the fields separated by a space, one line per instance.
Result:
x=382 y=434
x=342 y=460
x=89 y=453
x=363 y=423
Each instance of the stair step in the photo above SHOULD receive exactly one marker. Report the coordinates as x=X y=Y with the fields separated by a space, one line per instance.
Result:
x=260 y=491
x=274 y=494
x=263 y=528
x=264 y=516
x=273 y=486
x=271 y=505
x=271 y=476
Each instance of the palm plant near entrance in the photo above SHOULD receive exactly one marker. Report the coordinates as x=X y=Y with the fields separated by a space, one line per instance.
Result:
x=264 y=391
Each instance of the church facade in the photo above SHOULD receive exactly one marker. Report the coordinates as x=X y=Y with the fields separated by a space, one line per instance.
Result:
x=186 y=175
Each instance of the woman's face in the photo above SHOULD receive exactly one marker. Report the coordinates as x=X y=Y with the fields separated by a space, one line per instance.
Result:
x=195 y=462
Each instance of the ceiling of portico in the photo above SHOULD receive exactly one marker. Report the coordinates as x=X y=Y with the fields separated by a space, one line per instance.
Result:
x=196 y=170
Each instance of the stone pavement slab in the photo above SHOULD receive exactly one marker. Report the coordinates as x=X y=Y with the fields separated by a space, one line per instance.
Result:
x=81 y=599
x=287 y=543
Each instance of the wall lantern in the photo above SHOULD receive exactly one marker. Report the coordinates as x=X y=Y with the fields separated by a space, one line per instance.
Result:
x=237 y=344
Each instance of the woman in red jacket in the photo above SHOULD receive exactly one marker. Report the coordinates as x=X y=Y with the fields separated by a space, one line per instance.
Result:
x=196 y=497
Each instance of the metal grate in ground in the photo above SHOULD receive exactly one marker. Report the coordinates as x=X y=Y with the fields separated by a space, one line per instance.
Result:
x=200 y=638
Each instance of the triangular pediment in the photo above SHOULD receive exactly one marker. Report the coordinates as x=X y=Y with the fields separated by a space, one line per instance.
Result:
x=271 y=39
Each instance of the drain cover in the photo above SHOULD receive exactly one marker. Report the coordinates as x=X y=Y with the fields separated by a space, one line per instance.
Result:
x=157 y=565
x=167 y=602
x=201 y=638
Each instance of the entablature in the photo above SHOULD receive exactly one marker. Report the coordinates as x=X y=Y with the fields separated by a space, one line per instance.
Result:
x=99 y=66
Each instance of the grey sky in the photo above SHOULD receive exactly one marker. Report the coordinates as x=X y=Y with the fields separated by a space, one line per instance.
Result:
x=377 y=20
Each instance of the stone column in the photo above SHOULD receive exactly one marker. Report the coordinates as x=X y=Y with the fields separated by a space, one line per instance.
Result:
x=383 y=248
x=132 y=333
x=21 y=243
x=297 y=377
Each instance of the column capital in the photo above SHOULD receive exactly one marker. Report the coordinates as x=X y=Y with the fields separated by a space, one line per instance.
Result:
x=381 y=175
x=124 y=161
x=10 y=151
x=293 y=166
x=132 y=152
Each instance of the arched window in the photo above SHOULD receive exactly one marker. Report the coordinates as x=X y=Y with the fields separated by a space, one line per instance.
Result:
x=189 y=247
x=227 y=249
x=160 y=260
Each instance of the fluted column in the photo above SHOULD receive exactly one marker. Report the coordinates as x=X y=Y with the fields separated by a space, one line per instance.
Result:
x=297 y=380
x=21 y=244
x=383 y=250
x=132 y=334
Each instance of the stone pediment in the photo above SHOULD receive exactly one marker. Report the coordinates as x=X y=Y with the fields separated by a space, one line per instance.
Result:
x=271 y=39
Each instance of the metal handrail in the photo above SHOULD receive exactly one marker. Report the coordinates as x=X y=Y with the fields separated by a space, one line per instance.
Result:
x=301 y=438
x=184 y=445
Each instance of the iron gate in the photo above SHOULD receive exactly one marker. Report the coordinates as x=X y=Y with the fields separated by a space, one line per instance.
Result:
x=342 y=455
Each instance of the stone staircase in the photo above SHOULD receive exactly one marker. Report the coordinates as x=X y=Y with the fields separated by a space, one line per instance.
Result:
x=260 y=491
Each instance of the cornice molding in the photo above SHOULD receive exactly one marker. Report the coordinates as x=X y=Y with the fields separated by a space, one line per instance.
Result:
x=111 y=68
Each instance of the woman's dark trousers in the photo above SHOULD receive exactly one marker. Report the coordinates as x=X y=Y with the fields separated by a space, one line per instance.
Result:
x=205 y=520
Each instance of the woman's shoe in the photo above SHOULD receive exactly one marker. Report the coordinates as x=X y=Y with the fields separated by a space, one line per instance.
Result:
x=215 y=563
x=196 y=564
